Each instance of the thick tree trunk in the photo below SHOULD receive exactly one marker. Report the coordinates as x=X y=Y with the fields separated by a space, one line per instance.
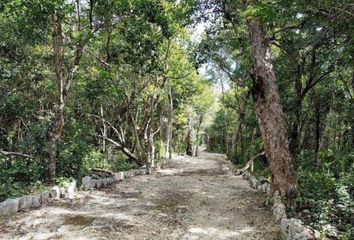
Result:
x=269 y=112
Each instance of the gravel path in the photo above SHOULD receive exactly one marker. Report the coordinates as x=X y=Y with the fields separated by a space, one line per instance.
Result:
x=191 y=198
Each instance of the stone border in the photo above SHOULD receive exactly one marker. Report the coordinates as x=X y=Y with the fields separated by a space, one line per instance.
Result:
x=27 y=202
x=68 y=191
x=291 y=228
x=89 y=183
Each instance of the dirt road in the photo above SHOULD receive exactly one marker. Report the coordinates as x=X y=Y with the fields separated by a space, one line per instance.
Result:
x=192 y=198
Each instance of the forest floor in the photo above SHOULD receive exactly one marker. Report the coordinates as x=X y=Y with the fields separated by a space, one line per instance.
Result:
x=191 y=198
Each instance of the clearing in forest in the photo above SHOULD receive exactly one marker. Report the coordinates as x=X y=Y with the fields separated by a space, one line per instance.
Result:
x=192 y=198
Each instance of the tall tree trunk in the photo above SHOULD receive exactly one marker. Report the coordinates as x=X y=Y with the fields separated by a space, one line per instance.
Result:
x=163 y=136
x=104 y=130
x=56 y=128
x=197 y=143
x=269 y=112
x=169 y=146
x=189 y=149
x=207 y=141
x=318 y=133
x=150 y=151
x=237 y=132
x=201 y=118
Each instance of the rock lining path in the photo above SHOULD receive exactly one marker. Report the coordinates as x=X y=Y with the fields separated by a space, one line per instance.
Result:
x=192 y=198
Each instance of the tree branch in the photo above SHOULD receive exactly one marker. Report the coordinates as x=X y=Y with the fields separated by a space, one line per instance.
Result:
x=98 y=58
x=6 y=153
x=248 y=164
x=124 y=150
x=298 y=26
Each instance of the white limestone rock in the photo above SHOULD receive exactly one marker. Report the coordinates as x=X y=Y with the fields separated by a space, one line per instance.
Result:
x=10 y=206
x=128 y=174
x=55 y=193
x=276 y=199
x=293 y=229
x=330 y=230
x=70 y=189
x=25 y=203
x=111 y=180
x=104 y=182
x=115 y=177
x=253 y=182
x=263 y=188
x=87 y=183
x=94 y=183
x=135 y=172
x=36 y=201
x=45 y=196
x=279 y=211
x=268 y=189
x=62 y=192
x=121 y=176
x=99 y=183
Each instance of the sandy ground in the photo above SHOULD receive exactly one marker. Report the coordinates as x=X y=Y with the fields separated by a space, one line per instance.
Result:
x=191 y=198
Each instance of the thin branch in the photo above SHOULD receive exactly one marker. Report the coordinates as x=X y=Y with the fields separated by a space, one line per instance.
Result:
x=298 y=26
x=6 y=153
x=124 y=150
x=248 y=164
x=104 y=63
x=111 y=125
x=313 y=83
x=157 y=130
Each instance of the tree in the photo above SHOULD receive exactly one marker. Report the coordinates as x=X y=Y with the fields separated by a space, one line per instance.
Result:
x=267 y=106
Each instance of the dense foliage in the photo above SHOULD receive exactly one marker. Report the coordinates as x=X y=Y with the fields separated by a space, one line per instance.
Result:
x=116 y=85
x=85 y=84
x=312 y=45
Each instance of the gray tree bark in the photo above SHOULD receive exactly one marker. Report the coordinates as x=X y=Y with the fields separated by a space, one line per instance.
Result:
x=269 y=112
